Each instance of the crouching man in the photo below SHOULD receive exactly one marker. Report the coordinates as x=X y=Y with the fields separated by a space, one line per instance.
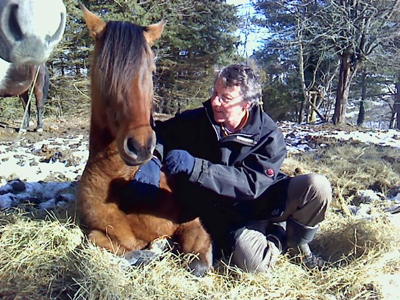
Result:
x=226 y=157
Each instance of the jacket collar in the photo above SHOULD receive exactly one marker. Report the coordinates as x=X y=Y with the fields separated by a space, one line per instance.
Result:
x=249 y=134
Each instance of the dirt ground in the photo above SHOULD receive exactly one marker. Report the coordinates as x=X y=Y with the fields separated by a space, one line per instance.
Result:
x=52 y=128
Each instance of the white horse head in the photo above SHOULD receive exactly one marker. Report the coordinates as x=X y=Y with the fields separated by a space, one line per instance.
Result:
x=30 y=29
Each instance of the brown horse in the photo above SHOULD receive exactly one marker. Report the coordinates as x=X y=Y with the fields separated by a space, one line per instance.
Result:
x=121 y=138
x=17 y=80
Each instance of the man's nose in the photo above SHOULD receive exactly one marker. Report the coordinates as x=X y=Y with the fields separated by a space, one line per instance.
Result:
x=216 y=100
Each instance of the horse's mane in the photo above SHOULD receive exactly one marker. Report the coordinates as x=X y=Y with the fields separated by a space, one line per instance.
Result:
x=119 y=59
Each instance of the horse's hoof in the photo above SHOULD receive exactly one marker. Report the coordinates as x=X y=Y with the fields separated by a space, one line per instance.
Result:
x=22 y=131
x=160 y=245
x=199 y=268
x=39 y=130
x=140 y=257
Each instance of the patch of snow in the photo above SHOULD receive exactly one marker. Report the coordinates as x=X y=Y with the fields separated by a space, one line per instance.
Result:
x=22 y=162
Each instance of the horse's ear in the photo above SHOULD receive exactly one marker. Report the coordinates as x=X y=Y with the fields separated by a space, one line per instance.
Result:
x=153 y=32
x=93 y=22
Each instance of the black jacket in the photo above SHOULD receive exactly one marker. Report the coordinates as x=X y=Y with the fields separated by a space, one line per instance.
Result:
x=240 y=166
x=235 y=178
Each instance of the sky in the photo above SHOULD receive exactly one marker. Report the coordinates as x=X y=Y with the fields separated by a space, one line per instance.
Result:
x=253 y=38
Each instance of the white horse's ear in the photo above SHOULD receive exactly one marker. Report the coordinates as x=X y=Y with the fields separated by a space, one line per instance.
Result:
x=153 y=32
x=93 y=22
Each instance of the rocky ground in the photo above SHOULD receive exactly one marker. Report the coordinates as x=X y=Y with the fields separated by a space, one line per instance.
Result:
x=57 y=142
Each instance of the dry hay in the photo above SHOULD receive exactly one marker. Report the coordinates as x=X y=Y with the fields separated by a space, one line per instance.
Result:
x=44 y=259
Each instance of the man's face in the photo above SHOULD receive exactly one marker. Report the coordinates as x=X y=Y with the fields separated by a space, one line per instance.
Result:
x=227 y=104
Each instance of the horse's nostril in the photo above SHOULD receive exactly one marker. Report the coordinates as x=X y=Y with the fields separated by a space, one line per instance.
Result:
x=132 y=145
x=13 y=23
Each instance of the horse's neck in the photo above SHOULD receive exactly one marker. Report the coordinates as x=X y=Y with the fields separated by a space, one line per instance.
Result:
x=103 y=154
x=101 y=139
x=4 y=67
x=101 y=143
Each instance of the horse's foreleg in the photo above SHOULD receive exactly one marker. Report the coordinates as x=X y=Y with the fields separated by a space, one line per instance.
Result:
x=100 y=239
x=110 y=229
x=39 y=109
x=24 y=100
x=41 y=93
x=193 y=238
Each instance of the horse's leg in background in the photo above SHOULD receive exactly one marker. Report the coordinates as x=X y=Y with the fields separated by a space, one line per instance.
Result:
x=24 y=100
x=41 y=92
x=193 y=238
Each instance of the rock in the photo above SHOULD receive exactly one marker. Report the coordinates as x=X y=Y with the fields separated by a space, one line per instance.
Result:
x=369 y=196
x=48 y=205
x=17 y=185
x=6 y=201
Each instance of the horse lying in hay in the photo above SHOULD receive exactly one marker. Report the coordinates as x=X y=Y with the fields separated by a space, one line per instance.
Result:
x=17 y=81
x=121 y=138
x=30 y=29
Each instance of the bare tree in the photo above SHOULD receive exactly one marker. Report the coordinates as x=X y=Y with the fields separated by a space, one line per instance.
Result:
x=349 y=29
x=395 y=119
x=354 y=29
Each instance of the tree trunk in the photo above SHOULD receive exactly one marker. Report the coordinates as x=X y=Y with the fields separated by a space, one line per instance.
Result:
x=361 y=113
x=303 y=82
x=396 y=106
x=346 y=72
x=312 y=105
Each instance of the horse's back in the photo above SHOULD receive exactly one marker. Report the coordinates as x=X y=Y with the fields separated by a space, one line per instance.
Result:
x=17 y=80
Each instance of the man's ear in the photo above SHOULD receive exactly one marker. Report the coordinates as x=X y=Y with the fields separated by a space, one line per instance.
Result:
x=247 y=106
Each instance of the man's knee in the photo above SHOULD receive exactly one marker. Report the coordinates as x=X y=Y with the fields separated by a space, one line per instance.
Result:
x=322 y=188
x=310 y=196
x=254 y=251
x=312 y=187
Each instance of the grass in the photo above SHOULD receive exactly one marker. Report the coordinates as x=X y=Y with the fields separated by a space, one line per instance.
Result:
x=50 y=258
x=350 y=169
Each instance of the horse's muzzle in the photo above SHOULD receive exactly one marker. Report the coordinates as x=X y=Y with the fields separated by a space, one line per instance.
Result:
x=25 y=37
x=135 y=153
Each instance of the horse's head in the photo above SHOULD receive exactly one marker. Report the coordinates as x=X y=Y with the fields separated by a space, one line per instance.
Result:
x=122 y=84
x=30 y=29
